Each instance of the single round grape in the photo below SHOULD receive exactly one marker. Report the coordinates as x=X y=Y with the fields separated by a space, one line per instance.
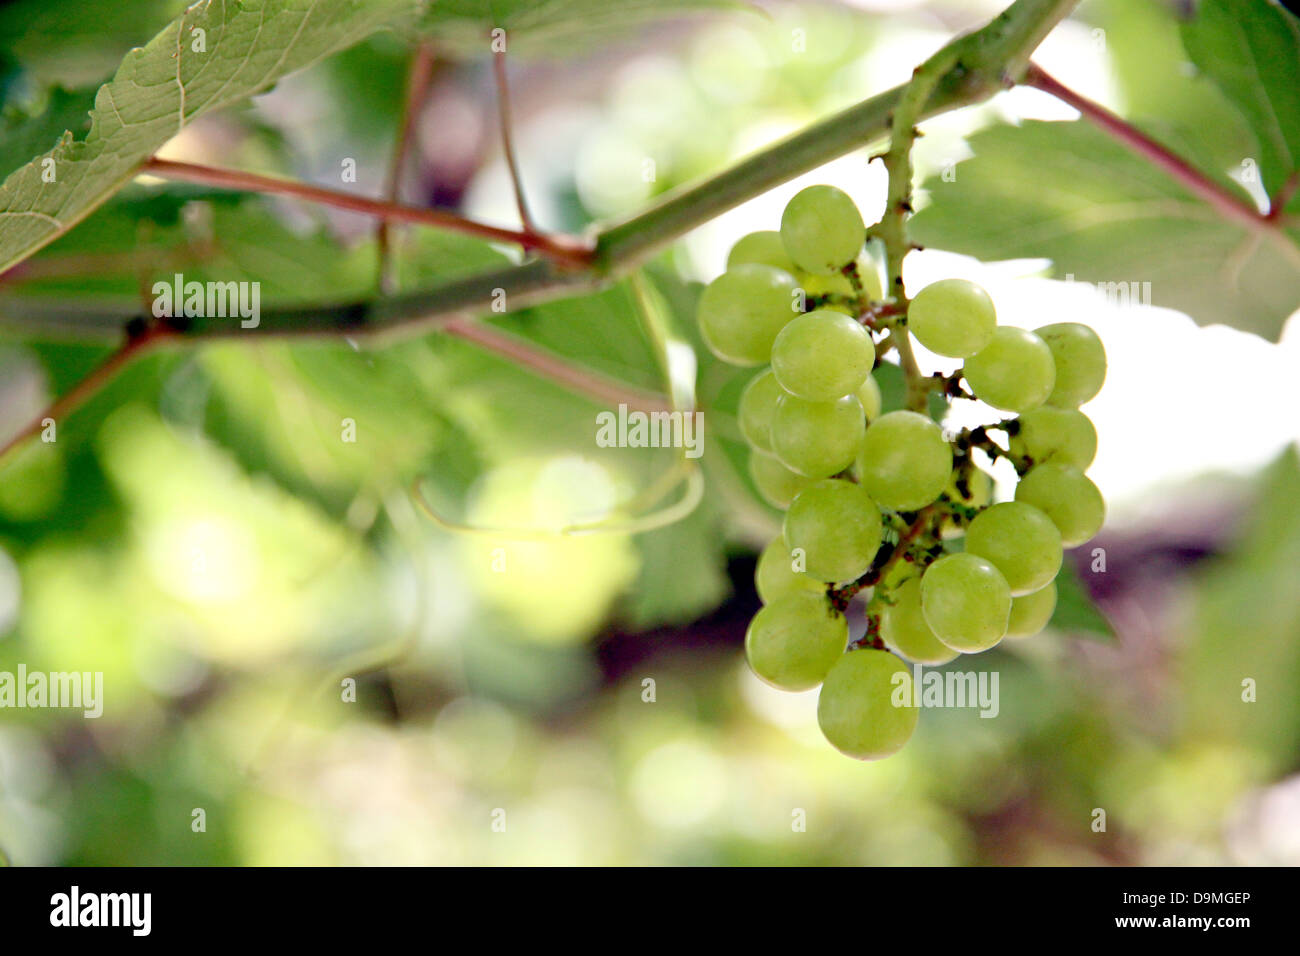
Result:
x=966 y=602
x=905 y=462
x=741 y=311
x=822 y=355
x=762 y=248
x=870 y=397
x=1063 y=435
x=1031 y=612
x=817 y=439
x=1080 y=362
x=757 y=405
x=1021 y=541
x=776 y=483
x=952 y=317
x=775 y=573
x=1068 y=497
x=837 y=525
x=822 y=229
x=792 y=642
x=903 y=627
x=1014 y=372
x=865 y=706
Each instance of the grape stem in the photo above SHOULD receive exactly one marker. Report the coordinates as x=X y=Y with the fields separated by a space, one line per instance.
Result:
x=886 y=559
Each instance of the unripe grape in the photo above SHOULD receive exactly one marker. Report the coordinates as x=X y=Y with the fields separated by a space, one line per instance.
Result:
x=776 y=483
x=903 y=627
x=1062 y=435
x=774 y=575
x=857 y=708
x=762 y=248
x=837 y=525
x=870 y=397
x=1031 y=612
x=1080 y=362
x=822 y=355
x=1014 y=372
x=792 y=642
x=822 y=229
x=1021 y=541
x=741 y=311
x=1068 y=497
x=817 y=439
x=966 y=602
x=905 y=462
x=952 y=317
x=975 y=492
x=757 y=405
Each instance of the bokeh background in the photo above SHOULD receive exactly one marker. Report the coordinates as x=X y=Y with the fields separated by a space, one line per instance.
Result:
x=201 y=535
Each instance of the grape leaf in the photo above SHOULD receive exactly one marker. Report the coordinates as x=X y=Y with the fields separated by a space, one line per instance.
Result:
x=1066 y=192
x=1251 y=50
x=1076 y=613
x=158 y=89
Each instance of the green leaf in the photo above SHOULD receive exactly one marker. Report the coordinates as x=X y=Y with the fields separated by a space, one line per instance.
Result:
x=1066 y=192
x=1251 y=50
x=1076 y=613
x=165 y=85
x=541 y=27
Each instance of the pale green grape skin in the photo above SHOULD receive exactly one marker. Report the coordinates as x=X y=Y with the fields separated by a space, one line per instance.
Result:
x=792 y=642
x=822 y=229
x=870 y=397
x=775 y=576
x=1031 y=612
x=822 y=355
x=1014 y=372
x=966 y=601
x=837 y=526
x=952 y=317
x=856 y=708
x=837 y=284
x=741 y=311
x=757 y=405
x=762 y=248
x=979 y=492
x=1062 y=435
x=905 y=464
x=903 y=627
x=1067 y=496
x=1080 y=362
x=1021 y=541
x=776 y=484
x=817 y=439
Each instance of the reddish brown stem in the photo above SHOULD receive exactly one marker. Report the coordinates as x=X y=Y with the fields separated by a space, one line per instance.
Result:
x=507 y=139
x=565 y=250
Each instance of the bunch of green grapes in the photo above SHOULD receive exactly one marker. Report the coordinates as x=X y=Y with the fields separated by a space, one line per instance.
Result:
x=880 y=505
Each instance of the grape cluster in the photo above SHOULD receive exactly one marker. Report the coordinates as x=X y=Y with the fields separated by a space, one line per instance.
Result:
x=879 y=502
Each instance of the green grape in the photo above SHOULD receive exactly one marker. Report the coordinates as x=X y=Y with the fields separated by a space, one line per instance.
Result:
x=741 y=311
x=870 y=397
x=1014 y=372
x=1021 y=541
x=1031 y=612
x=817 y=439
x=1080 y=362
x=837 y=525
x=952 y=317
x=776 y=483
x=775 y=575
x=836 y=285
x=1063 y=435
x=857 y=708
x=966 y=602
x=762 y=248
x=976 y=492
x=792 y=642
x=822 y=229
x=757 y=405
x=822 y=355
x=905 y=462
x=1068 y=497
x=903 y=627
